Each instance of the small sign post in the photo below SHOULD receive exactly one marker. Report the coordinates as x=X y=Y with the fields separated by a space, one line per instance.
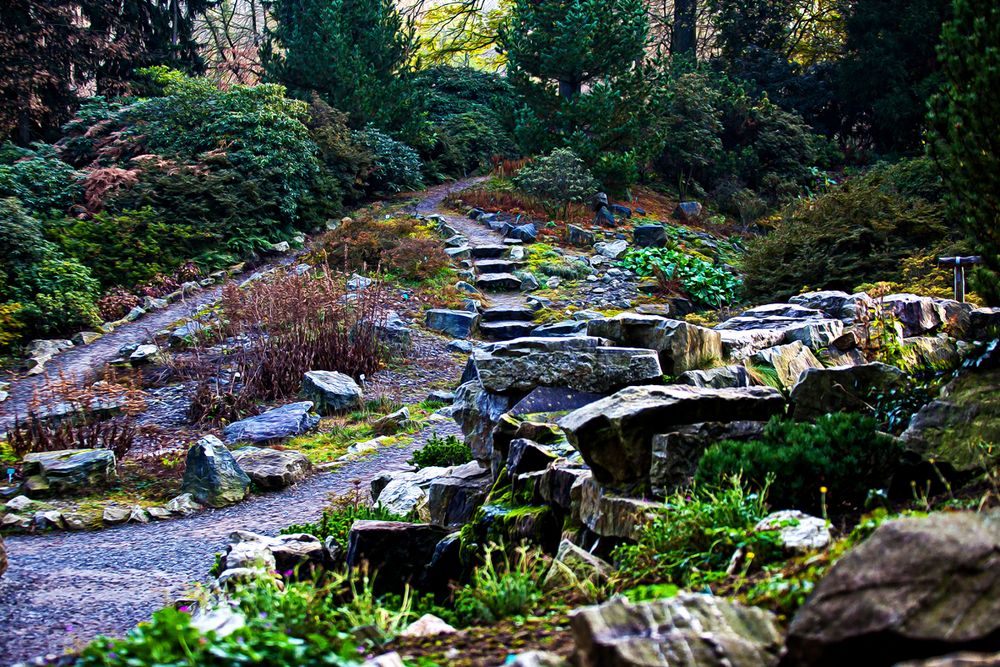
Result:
x=959 y=264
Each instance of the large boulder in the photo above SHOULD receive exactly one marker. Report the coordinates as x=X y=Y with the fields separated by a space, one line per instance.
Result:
x=398 y=551
x=276 y=424
x=721 y=377
x=584 y=363
x=842 y=388
x=676 y=454
x=740 y=345
x=609 y=514
x=681 y=346
x=331 y=392
x=455 y=323
x=952 y=428
x=815 y=334
x=212 y=476
x=615 y=434
x=477 y=412
x=788 y=361
x=689 y=630
x=917 y=314
x=939 y=353
x=68 y=470
x=272 y=469
x=984 y=324
x=917 y=588
x=454 y=497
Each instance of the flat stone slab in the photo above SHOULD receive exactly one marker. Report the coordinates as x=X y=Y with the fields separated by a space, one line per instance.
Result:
x=276 y=424
x=488 y=251
x=498 y=282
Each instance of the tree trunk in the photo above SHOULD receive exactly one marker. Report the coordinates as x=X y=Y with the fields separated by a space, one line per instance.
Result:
x=569 y=89
x=684 y=37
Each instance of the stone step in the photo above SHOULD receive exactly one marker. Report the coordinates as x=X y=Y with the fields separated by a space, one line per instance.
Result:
x=505 y=330
x=488 y=251
x=485 y=266
x=499 y=282
x=501 y=314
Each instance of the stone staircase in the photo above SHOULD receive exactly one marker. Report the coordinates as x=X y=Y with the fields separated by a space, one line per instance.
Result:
x=506 y=323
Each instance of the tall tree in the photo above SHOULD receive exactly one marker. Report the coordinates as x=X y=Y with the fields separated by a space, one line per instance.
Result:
x=744 y=24
x=965 y=118
x=889 y=70
x=352 y=53
x=571 y=43
x=684 y=37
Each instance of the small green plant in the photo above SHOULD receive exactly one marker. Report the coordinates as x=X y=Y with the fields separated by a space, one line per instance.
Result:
x=503 y=586
x=558 y=179
x=703 y=281
x=448 y=451
x=691 y=541
x=336 y=520
x=843 y=452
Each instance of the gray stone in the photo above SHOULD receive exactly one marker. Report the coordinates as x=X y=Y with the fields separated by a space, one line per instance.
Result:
x=564 y=328
x=455 y=323
x=611 y=250
x=649 y=236
x=427 y=625
x=830 y=302
x=844 y=388
x=272 y=469
x=984 y=324
x=453 y=498
x=70 y=470
x=579 y=237
x=115 y=515
x=498 y=282
x=573 y=567
x=688 y=211
x=86 y=337
x=615 y=434
x=741 y=345
x=393 y=422
x=917 y=314
x=185 y=334
x=610 y=515
x=788 y=361
x=144 y=354
x=477 y=412
x=19 y=503
x=917 y=588
x=398 y=551
x=359 y=283
x=553 y=399
x=815 y=334
x=183 y=505
x=585 y=364
x=718 y=378
x=332 y=392
x=212 y=476
x=689 y=630
x=681 y=346
x=797 y=531
x=939 y=353
x=676 y=453
x=276 y=424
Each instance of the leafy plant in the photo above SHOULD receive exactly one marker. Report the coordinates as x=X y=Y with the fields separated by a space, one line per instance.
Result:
x=503 y=586
x=396 y=167
x=841 y=452
x=690 y=542
x=704 y=282
x=337 y=519
x=448 y=451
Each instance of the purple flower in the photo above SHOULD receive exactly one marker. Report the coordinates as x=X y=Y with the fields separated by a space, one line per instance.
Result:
x=184 y=609
x=262 y=614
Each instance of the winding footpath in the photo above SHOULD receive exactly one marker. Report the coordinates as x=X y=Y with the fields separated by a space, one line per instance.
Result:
x=65 y=588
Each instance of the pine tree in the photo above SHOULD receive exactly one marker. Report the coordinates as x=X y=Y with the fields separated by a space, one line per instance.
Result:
x=965 y=117
x=572 y=43
x=352 y=53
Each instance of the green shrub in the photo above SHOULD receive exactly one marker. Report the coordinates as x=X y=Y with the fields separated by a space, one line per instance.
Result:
x=439 y=451
x=502 y=587
x=558 y=179
x=862 y=231
x=843 y=453
x=336 y=520
x=396 y=167
x=690 y=541
x=703 y=282
x=43 y=183
x=468 y=141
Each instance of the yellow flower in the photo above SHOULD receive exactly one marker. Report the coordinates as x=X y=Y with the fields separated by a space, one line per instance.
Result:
x=749 y=555
x=822 y=490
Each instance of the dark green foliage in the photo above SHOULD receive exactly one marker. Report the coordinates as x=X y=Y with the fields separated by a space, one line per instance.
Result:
x=743 y=24
x=54 y=292
x=344 y=162
x=965 y=117
x=558 y=180
x=842 y=452
x=690 y=542
x=568 y=43
x=43 y=183
x=858 y=232
x=130 y=247
x=889 y=70
x=396 y=167
x=352 y=53
x=448 y=451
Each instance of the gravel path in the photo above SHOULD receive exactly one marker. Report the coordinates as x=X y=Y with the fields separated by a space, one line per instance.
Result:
x=65 y=588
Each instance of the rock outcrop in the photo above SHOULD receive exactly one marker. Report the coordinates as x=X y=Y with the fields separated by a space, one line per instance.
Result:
x=842 y=388
x=331 y=392
x=67 y=470
x=276 y=424
x=212 y=476
x=272 y=469
x=915 y=589
x=681 y=346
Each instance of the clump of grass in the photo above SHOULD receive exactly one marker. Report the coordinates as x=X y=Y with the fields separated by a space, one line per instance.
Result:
x=337 y=519
x=449 y=451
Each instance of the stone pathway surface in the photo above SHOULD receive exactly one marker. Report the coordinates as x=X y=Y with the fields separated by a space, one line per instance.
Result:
x=64 y=588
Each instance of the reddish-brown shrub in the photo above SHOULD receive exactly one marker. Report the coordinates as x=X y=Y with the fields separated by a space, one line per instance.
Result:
x=116 y=303
x=415 y=258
